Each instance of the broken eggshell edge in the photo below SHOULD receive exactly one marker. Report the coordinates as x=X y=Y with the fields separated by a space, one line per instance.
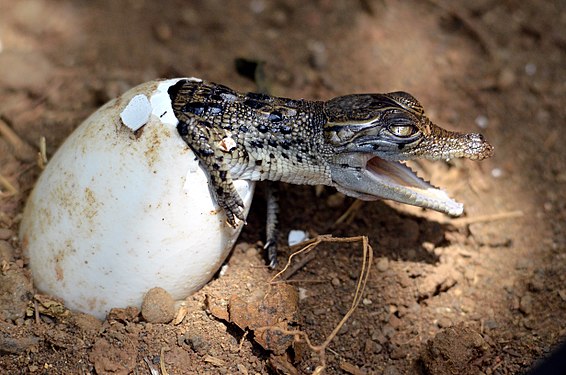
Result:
x=124 y=206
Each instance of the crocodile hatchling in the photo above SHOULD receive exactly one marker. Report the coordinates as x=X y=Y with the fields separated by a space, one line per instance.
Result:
x=351 y=142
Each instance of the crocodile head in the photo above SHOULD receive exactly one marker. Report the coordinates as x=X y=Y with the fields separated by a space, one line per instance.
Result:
x=370 y=134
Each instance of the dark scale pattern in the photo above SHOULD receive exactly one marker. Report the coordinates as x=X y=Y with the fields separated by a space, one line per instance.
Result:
x=264 y=128
x=259 y=137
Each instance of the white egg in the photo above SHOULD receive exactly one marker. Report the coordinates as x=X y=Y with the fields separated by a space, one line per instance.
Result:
x=124 y=206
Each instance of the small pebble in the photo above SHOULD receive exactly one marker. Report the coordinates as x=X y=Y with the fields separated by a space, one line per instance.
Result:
x=506 y=78
x=391 y=370
x=318 y=57
x=522 y=264
x=15 y=293
x=197 y=343
x=444 y=322
x=547 y=206
x=536 y=284
x=399 y=353
x=428 y=246
x=470 y=274
x=372 y=347
x=367 y=301
x=496 y=172
x=395 y=322
x=526 y=304
x=388 y=331
x=251 y=252
x=382 y=264
x=87 y=322
x=482 y=121
x=279 y=18
x=163 y=32
x=379 y=338
x=528 y=324
x=17 y=345
x=158 y=306
x=335 y=281
x=530 y=69
x=392 y=309
x=5 y=234
x=6 y=251
x=491 y=324
x=415 y=308
x=242 y=369
x=257 y=6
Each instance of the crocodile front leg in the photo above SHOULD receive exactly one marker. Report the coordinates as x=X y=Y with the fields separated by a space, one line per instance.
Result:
x=211 y=144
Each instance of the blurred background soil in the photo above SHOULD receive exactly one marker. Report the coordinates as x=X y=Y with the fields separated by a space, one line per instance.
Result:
x=481 y=295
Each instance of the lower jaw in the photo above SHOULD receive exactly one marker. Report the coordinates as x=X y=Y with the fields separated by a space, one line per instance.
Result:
x=407 y=187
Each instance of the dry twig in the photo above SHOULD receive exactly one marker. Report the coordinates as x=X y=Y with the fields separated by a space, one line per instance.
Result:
x=242 y=340
x=162 y=360
x=22 y=150
x=301 y=336
x=350 y=213
x=152 y=370
x=11 y=189
x=42 y=154
x=482 y=219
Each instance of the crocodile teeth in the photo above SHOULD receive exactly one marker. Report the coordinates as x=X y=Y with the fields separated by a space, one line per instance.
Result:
x=411 y=188
x=384 y=179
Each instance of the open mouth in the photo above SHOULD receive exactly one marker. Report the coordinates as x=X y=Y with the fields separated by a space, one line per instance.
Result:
x=404 y=180
x=385 y=179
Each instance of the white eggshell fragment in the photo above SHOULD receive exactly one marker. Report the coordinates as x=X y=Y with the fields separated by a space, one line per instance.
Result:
x=137 y=112
x=117 y=212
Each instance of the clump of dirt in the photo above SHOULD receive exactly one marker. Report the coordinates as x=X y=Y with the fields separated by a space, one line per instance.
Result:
x=455 y=350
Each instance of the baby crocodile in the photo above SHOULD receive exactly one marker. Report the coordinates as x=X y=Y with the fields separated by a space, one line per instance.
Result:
x=352 y=142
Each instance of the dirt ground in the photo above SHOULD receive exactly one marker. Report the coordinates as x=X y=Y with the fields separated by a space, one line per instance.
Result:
x=485 y=294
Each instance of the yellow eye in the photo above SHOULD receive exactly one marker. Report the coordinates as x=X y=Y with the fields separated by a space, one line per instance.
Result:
x=402 y=130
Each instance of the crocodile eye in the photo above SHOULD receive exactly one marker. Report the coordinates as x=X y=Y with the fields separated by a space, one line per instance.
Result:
x=402 y=131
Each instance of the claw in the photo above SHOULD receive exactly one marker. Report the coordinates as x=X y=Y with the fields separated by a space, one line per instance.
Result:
x=234 y=212
x=271 y=249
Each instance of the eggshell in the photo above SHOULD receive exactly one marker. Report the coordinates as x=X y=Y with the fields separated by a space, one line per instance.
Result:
x=124 y=206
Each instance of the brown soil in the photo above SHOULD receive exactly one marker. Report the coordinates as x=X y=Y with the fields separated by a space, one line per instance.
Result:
x=487 y=295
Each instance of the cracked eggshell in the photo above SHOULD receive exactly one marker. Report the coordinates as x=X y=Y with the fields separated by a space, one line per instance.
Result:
x=122 y=207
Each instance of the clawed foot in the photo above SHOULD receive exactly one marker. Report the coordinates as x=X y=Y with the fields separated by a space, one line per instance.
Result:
x=233 y=206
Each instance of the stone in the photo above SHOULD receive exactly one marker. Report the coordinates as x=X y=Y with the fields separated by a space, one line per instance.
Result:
x=158 y=306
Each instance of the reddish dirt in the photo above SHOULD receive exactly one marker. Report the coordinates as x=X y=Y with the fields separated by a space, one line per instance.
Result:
x=479 y=295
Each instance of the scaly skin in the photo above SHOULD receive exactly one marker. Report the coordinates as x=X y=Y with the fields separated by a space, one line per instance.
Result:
x=351 y=142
